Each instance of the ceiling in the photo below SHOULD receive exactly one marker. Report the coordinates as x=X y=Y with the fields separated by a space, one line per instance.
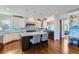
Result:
x=36 y=10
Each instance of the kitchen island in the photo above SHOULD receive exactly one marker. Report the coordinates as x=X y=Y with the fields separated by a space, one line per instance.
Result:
x=31 y=33
x=26 y=36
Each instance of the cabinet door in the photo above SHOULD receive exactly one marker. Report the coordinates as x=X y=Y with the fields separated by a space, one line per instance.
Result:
x=25 y=42
x=18 y=22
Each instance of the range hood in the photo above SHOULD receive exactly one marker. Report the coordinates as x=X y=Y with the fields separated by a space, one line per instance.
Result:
x=18 y=16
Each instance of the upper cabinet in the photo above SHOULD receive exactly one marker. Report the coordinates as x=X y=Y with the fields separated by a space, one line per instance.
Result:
x=8 y=22
x=18 y=22
x=32 y=20
x=5 y=21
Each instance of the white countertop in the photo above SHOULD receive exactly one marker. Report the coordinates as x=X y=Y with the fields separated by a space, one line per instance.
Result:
x=32 y=33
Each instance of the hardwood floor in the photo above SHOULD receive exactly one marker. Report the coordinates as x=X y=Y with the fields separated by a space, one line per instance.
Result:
x=53 y=47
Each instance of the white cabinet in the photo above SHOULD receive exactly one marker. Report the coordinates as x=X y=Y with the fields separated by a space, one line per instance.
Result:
x=38 y=24
x=18 y=22
x=10 y=37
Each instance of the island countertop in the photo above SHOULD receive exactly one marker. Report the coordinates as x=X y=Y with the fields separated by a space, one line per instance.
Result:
x=32 y=33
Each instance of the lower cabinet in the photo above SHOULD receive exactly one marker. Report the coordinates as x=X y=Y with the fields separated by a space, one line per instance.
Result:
x=25 y=42
x=51 y=34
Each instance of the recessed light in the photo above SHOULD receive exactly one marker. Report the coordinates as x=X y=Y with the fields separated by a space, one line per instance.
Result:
x=8 y=9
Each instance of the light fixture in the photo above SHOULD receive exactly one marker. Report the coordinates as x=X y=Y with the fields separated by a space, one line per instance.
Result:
x=8 y=9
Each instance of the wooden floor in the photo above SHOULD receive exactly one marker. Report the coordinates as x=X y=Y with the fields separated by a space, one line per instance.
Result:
x=53 y=47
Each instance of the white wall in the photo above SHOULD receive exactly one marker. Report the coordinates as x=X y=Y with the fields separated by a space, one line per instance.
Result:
x=44 y=24
x=55 y=20
x=50 y=20
x=57 y=28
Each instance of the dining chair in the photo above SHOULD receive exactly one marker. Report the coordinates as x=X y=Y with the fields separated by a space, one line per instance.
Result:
x=35 y=39
x=35 y=42
x=45 y=37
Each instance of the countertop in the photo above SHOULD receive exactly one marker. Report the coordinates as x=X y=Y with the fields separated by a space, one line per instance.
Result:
x=32 y=33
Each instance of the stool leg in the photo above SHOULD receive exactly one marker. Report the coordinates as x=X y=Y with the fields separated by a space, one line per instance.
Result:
x=71 y=41
x=78 y=44
x=33 y=49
